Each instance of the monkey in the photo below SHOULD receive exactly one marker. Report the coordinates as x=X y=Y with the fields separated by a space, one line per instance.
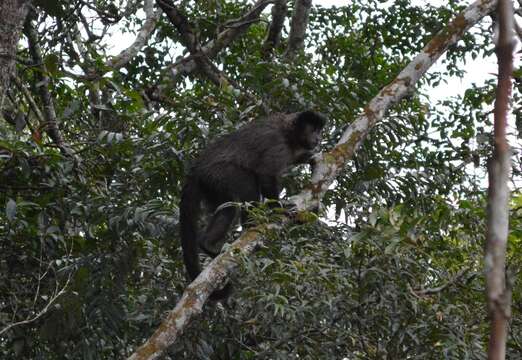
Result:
x=243 y=166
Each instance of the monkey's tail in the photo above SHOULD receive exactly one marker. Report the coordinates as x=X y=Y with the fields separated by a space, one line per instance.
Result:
x=189 y=209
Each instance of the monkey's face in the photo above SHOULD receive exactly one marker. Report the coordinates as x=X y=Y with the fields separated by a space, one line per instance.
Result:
x=310 y=137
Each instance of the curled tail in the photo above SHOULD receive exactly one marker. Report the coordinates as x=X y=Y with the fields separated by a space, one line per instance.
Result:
x=189 y=209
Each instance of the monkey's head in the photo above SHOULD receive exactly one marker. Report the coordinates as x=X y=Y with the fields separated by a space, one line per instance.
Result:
x=307 y=127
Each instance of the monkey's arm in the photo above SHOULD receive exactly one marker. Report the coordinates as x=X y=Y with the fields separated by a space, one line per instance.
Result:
x=304 y=158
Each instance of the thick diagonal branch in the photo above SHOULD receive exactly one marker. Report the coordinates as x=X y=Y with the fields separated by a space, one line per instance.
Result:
x=330 y=164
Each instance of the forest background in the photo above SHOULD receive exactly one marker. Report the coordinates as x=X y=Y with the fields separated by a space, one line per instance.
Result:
x=95 y=144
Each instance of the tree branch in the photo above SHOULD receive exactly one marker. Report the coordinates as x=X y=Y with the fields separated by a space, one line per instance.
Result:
x=197 y=293
x=298 y=27
x=329 y=165
x=50 y=126
x=274 y=31
x=141 y=39
x=438 y=289
x=188 y=65
x=30 y=99
x=498 y=294
x=12 y=20
x=190 y=41
x=44 y=310
x=189 y=38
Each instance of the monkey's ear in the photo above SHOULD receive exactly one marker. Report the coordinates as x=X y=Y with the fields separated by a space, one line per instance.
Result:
x=313 y=118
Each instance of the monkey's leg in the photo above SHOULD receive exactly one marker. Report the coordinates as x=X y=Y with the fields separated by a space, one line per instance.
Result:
x=233 y=184
x=212 y=240
x=270 y=187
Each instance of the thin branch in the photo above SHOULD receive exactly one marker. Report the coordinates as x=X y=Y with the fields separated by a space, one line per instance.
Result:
x=276 y=26
x=329 y=165
x=50 y=125
x=45 y=309
x=226 y=37
x=188 y=65
x=189 y=38
x=30 y=99
x=438 y=289
x=298 y=27
x=498 y=293
x=518 y=29
x=141 y=39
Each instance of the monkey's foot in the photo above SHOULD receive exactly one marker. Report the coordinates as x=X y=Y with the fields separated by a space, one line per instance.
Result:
x=212 y=252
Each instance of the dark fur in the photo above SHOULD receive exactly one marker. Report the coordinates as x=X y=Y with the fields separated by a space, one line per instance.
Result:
x=242 y=166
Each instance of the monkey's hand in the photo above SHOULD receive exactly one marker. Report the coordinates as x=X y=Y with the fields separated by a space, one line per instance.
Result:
x=313 y=161
x=289 y=210
x=304 y=217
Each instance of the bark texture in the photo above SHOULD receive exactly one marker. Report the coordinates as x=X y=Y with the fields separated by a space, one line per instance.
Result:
x=298 y=27
x=498 y=294
x=51 y=123
x=12 y=17
x=273 y=37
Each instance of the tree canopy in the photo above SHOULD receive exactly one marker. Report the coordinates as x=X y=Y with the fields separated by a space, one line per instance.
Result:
x=112 y=99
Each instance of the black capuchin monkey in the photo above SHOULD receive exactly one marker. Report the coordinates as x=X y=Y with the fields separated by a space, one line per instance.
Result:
x=244 y=165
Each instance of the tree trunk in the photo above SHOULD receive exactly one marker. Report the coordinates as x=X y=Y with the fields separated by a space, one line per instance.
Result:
x=12 y=17
x=498 y=293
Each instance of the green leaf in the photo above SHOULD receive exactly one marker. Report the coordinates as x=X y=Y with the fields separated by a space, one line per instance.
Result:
x=10 y=209
x=51 y=62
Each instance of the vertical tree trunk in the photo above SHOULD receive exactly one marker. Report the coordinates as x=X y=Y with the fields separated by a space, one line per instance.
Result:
x=12 y=17
x=498 y=294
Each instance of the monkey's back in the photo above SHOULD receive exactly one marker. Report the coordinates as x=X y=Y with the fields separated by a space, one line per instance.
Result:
x=260 y=147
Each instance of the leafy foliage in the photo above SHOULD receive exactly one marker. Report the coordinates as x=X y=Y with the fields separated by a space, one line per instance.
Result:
x=396 y=270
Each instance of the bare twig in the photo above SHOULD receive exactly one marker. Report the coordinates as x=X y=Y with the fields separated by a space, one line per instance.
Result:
x=57 y=293
x=518 y=29
x=498 y=294
x=438 y=289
